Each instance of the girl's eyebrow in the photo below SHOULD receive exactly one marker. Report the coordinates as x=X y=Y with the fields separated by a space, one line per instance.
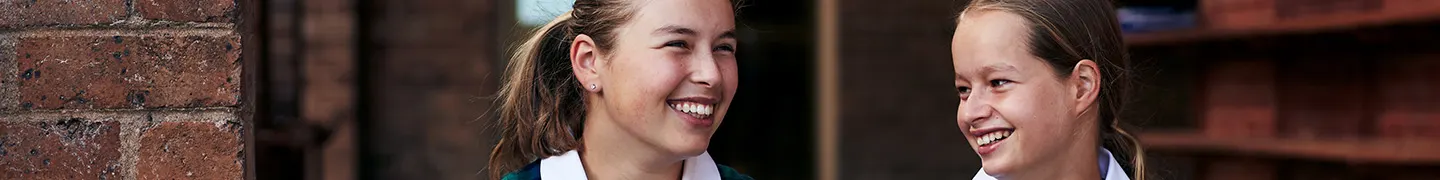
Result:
x=674 y=29
x=993 y=68
x=998 y=67
x=728 y=34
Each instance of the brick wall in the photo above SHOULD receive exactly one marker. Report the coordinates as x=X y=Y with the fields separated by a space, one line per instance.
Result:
x=120 y=89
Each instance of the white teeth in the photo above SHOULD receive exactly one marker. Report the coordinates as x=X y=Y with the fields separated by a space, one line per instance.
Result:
x=703 y=109
x=692 y=108
x=992 y=137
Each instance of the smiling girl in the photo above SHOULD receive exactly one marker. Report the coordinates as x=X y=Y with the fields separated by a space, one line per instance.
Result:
x=1041 y=85
x=620 y=89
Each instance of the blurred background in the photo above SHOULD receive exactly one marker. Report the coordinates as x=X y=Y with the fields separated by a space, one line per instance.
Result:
x=861 y=89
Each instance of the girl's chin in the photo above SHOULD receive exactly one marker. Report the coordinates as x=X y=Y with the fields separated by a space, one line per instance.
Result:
x=995 y=168
x=690 y=150
x=691 y=146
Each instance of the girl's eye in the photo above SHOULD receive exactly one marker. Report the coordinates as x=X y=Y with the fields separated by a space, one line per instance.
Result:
x=725 y=48
x=679 y=44
x=1000 y=82
x=964 y=92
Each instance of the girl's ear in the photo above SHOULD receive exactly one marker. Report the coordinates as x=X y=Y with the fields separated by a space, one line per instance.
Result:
x=1085 y=84
x=583 y=55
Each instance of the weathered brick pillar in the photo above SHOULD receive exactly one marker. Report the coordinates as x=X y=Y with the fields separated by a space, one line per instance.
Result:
x=120 y=89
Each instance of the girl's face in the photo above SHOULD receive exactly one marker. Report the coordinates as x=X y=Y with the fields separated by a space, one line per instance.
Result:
x=1014 y=111
x=671 y=75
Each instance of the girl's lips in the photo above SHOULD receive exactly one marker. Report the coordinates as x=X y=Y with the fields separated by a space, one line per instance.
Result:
x=982 y=131
x=984 y=150
x=696 y=111
x=694 y=99
x=989 y=139
x=705 y=121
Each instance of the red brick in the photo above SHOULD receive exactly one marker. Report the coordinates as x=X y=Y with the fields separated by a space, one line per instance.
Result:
x=1235 y=14
x=188 y=10
x=99 y=72
x=192 y=150
x=1240 y=99
x=1323 y=98
x=16 y=13
x=69 y=148
x=8 y=87
x=1409 y=97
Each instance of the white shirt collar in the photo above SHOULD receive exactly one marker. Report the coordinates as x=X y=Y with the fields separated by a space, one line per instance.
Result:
x=567 y=167
x=1112 y=169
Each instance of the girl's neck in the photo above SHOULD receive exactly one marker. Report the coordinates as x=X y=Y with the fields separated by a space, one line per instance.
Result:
x=607 y=152
x=1079 y=162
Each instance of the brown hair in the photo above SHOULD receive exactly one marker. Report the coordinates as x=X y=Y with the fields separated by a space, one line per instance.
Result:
x=542 y=105
x=1063 y=32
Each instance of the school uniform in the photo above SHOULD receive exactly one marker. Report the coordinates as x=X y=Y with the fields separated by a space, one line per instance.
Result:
x=567 y=167
x=1110 y=169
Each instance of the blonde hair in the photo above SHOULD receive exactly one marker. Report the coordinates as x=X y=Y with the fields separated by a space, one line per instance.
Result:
x=1063 y=32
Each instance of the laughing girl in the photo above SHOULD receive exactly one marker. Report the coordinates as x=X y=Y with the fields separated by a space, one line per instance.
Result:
x=620 y=89
x=1041 y=85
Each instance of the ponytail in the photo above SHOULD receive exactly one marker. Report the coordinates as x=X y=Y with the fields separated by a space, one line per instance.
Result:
x=1122 y=142
x=541 y=103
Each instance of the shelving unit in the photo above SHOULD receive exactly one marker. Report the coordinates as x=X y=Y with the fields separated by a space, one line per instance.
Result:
x=1267 y=95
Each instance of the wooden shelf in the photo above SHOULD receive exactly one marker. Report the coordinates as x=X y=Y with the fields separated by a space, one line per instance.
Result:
x=1380 y=151
x=1303 y=25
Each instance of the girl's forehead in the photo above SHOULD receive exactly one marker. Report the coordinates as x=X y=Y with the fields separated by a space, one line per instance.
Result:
x=700 y=15
x=991 y=27
x=987 y=38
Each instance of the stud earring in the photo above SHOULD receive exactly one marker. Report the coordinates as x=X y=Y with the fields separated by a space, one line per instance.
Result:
x=592 y=86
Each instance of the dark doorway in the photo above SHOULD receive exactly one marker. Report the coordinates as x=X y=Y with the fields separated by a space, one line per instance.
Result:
x=770 y=130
